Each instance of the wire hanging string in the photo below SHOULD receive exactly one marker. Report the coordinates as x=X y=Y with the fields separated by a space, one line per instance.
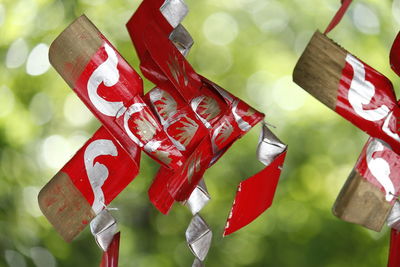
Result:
x=338 y=16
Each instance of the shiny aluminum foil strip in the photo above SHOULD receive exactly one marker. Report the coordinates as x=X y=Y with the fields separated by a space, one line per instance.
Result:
x=198 y=263
x=174 y=11
x=104 y=227
x=198 y=237
x=269 y=146
x=198 y=234
x=181 y=39
x=199 y=198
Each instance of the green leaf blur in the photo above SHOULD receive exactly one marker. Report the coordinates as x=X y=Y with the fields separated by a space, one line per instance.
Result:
x=249 y=47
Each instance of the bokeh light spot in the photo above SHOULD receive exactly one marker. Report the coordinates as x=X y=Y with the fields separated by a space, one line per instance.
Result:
x=270 y=16
x=42 y=257
x=54 y=12
x=16 y=54
x=75 y=111
x=41 y=108
x=38 y=62
x=14 y=259
x=259 y=83
x=55 y=151
x=220 y=28
x=206 y=60
x=287 y=95
x=6 y=101
x=30 y=201
x=18 y=127
x=396 y=10
x=24 y=12
x=365 y=19
x=93 y=2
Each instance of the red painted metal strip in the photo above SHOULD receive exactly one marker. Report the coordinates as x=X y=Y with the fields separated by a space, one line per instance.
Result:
x=367 y=99
x=394 y=250
x=254 y=196
x=111 y=89
x=110 y=257
x=338 y=16
x=102 y=168
x=395 y=55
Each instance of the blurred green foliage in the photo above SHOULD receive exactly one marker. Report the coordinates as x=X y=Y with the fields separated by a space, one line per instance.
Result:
x=248 y=47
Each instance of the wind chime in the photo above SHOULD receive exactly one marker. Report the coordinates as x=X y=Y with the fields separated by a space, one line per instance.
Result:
x=366 y=98
x=186 y=123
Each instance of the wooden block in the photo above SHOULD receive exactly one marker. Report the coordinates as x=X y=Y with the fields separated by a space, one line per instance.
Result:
x=65 y=207
x=319 y=69
x=72 y=50
x=362 y=203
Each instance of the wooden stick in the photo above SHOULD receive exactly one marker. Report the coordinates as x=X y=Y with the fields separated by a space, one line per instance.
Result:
x=362 y=203
x=319 y=69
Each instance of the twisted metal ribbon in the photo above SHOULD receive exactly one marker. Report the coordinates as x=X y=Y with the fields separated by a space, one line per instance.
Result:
x=105 y=231
x=198 y=234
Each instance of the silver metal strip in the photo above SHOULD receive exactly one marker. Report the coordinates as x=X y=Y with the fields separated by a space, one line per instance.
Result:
x=104 y=227
x=181 y=39
x=174 y=11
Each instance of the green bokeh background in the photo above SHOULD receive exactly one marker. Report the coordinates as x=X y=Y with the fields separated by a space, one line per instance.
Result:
x=249 y=47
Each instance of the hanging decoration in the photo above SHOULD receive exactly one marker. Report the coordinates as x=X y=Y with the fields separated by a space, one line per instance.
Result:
x=366 y=98
x=186 y=123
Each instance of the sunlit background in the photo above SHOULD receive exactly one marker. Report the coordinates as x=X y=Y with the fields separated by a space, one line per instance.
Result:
x=249 y=47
